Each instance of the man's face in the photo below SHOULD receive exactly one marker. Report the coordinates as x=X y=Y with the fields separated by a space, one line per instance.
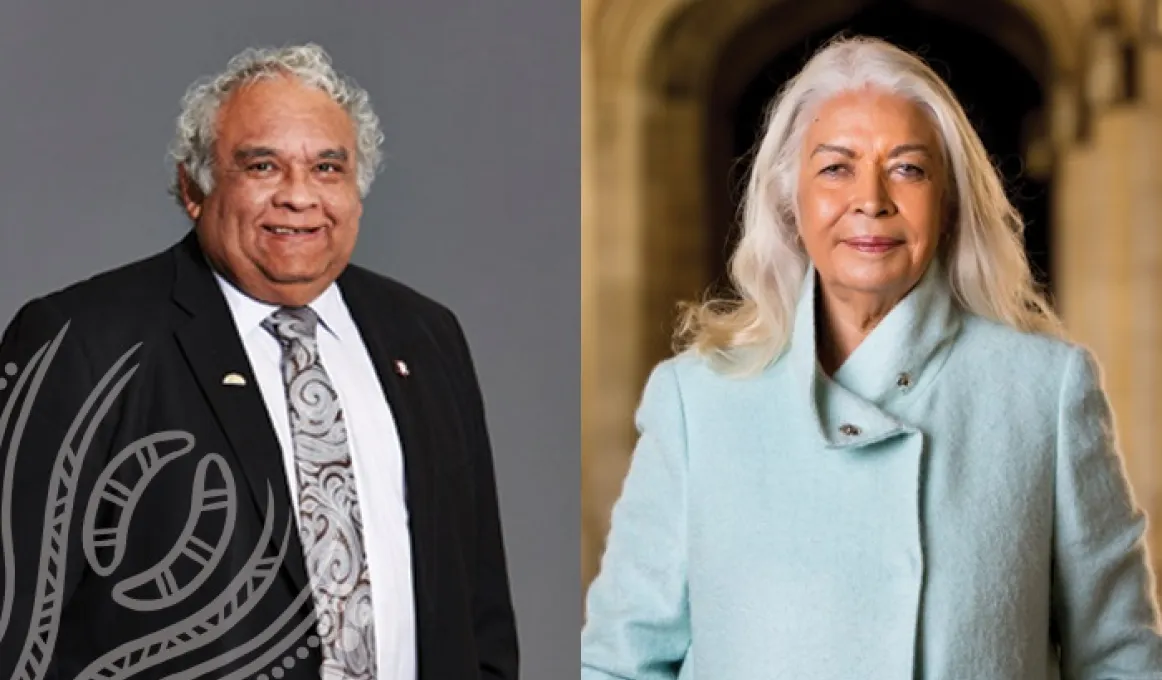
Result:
x=283 y=216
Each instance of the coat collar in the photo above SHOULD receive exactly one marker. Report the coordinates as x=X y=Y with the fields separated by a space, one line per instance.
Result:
x=899 y=359
x=211 y=345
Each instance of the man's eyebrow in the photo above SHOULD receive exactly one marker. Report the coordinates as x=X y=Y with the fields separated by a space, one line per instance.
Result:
x=247 y=153
x=252 y=152
x=339 y=154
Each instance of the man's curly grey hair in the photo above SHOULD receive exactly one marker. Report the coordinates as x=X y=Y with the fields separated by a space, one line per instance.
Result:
x=193 y=145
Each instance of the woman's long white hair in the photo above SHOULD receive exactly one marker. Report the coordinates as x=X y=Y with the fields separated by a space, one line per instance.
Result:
x=982 y=254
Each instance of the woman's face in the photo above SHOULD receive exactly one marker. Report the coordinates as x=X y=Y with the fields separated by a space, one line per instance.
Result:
x=871 y=184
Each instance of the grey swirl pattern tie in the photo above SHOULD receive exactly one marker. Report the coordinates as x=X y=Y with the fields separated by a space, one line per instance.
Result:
x=330 y=524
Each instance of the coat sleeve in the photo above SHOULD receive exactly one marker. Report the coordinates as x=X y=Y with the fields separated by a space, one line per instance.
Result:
x=46 y=387
x=497 y=645
x=1104 y=607
x=637 y=624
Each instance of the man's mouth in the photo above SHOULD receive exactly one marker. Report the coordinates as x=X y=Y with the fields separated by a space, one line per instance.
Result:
x=290 y=231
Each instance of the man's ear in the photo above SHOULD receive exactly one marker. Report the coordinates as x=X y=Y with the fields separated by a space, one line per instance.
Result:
x=191 y=194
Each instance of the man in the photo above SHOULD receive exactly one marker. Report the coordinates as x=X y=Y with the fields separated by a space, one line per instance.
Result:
x=245 y=457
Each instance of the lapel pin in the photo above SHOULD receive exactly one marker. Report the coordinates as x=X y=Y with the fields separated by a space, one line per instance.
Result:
x=402 y=368
x=234 y=380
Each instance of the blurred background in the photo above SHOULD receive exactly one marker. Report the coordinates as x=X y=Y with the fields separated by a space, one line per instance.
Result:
x=1066 y=94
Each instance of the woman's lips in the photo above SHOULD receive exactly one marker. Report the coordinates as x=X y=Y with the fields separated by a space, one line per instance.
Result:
x=873 y=244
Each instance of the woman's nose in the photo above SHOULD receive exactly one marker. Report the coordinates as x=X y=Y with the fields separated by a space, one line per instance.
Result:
x=872 y=197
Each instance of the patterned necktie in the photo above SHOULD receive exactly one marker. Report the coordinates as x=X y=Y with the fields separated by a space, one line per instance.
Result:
x=330 y=524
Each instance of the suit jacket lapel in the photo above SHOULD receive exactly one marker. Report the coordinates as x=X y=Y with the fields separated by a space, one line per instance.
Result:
x=389 y=338
x=211 y=345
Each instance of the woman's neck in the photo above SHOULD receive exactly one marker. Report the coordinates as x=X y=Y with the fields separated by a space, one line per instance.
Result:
x=843 y=319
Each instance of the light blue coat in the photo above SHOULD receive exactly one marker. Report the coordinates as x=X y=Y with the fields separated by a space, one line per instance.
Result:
x=971 y=521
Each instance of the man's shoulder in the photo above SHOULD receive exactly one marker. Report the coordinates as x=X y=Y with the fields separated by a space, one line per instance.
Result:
x=401 y=296
x=129 y=298
x=125 y=285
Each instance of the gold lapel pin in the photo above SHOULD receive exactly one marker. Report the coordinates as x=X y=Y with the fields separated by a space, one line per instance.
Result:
x=234 y=380
x=402 y=368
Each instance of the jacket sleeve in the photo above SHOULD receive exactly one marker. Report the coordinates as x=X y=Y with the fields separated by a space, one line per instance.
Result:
x=1104 y=607
x=637 y=624
x=497 y=644
x=46 y=386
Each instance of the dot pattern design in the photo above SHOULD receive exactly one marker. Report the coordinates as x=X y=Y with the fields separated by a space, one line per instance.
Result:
x=9 y=370
x=288 y=661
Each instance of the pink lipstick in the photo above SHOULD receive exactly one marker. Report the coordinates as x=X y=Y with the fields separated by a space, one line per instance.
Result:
x=873 y=244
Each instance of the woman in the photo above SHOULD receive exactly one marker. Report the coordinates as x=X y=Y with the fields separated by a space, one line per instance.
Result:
x=884 y=462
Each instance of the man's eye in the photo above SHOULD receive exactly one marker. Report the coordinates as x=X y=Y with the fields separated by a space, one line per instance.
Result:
x=261 y=166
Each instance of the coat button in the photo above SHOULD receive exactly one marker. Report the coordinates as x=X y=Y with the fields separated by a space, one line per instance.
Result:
x=849 y=430
x=904 y=381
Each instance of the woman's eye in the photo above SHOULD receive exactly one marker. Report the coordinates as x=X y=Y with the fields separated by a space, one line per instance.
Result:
x=911 y=171
x=834 y=170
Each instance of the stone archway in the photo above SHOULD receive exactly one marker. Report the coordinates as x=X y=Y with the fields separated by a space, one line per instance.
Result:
x=647 y=66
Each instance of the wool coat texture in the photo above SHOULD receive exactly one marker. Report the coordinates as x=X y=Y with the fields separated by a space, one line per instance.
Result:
x=949 y=504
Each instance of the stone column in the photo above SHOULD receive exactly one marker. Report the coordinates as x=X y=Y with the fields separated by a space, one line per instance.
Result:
x=611 y=296
x=588 y=269
x=1109 y=249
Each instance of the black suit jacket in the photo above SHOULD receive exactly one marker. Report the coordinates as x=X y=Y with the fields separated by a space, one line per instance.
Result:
x=117 y=424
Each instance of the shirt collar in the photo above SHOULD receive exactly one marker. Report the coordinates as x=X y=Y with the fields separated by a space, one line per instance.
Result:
x=898 y=359
x=249 y=313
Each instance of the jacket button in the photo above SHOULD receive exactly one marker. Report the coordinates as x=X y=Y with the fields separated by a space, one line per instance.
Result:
x=849 y=430
x=904 y=381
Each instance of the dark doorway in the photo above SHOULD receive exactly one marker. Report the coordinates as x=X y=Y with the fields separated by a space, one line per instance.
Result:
x=998 y=92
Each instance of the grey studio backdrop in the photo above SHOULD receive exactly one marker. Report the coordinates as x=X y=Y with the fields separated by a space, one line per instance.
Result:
x=477 y=205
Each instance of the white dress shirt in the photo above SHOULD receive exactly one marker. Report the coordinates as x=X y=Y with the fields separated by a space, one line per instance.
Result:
x=376 y=455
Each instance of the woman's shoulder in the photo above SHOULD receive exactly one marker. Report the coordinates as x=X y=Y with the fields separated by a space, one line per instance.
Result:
x=674 y=377
x=1016 y=354
x=693 y=392
x=708 y=372
x=694 y=380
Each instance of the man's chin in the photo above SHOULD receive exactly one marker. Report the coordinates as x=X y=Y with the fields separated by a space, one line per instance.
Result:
x=289 y=287
x=300 y=275
x=296 y=279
